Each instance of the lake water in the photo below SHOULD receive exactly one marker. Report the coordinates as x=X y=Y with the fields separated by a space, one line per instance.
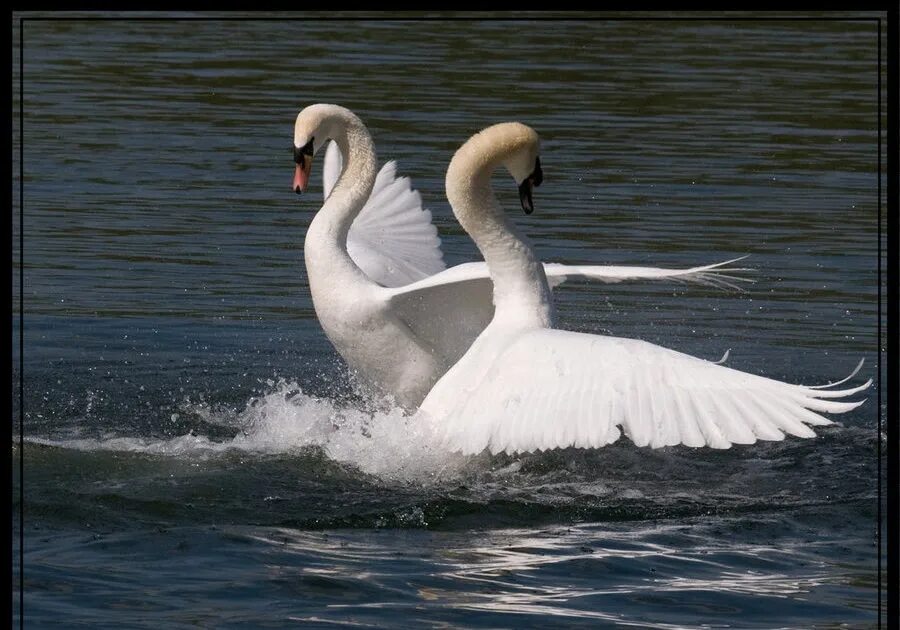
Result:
x=194 y=455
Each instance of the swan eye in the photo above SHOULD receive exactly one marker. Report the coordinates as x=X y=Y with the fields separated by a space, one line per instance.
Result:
x=305 y=150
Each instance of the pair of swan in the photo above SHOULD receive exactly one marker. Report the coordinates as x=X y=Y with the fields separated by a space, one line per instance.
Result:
x=376 y=271
x=489 y=368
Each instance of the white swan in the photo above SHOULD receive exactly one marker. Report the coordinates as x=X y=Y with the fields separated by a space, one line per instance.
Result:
x=523 y=386
x=371 y=236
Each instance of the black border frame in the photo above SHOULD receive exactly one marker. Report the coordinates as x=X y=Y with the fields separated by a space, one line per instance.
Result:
x=888 y=427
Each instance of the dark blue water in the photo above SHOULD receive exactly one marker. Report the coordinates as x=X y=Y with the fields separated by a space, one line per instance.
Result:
x=195 y=454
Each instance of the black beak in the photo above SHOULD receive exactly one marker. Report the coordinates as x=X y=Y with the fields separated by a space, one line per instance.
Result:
x=525 y=195
x=525 y=188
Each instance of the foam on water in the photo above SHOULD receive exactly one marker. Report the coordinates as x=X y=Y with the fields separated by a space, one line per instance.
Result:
x=381 y=441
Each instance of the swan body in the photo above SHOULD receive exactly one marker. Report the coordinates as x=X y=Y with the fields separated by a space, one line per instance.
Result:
x=376 y=273
x=524 y=386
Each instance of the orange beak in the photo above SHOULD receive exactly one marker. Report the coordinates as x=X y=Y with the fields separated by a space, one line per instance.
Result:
x=301 y=174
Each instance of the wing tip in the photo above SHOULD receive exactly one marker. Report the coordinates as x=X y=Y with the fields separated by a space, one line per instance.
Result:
x=846 y=378
x=724 y=357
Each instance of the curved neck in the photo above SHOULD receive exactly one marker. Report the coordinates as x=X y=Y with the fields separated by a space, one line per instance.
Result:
x=326 y=238
x=355 y=183
x=521 y=291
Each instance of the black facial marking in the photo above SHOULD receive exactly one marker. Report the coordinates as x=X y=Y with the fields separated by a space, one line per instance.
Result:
x=305 y=150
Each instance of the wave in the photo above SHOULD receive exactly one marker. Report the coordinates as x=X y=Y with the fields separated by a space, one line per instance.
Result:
x=377 y=438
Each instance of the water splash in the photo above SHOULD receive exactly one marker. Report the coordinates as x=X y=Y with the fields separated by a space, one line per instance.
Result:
x=376 y=438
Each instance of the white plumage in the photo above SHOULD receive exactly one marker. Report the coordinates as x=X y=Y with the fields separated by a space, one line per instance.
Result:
x=546 y=389
x=377 y=275
x=523 y=386
x=392 y=238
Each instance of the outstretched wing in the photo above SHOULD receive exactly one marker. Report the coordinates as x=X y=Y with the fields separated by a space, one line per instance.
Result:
x=392 y=240
x=717 y=274
x=449 y=310
x=554 y=389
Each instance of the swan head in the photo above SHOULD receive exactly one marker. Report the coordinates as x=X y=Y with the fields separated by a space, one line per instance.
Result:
x=315 y=125
x=512 y=145
x=518 y=148
x=528 y=183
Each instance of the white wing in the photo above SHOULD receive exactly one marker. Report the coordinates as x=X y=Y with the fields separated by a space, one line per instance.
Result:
x=392 y=240
x=553 y=389
x=716 y=274
x=450 y=309
x=447 y=310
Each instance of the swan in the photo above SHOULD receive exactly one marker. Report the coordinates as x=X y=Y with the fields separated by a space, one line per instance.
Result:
x=376 y=273
x=524 y=386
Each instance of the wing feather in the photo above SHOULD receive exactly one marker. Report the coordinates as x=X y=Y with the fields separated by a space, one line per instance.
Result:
x=550 y=389
x=691 y=433
x=716 y=274
x=784 y=417
x=392 y=239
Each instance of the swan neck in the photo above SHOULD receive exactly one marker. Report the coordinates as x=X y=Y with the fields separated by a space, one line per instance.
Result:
x=353 y=186
x=520 y=284
x=325 y=246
